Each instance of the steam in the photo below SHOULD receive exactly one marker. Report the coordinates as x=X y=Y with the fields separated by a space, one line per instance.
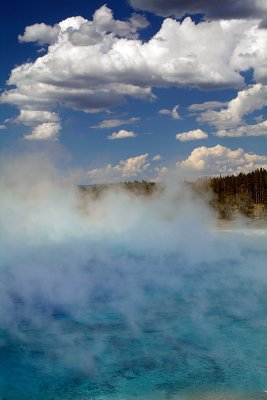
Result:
x=75 y=268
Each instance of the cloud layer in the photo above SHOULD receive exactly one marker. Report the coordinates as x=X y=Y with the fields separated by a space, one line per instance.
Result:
x=196 y=134
x=259 y=129
x=45 y=131
x=32 y=117
x=221 y=160
x=248 y=100
x=212 y=9
x=201 y=161
x=125 y=169
x=94 y=65
x=122 y=134
x=113 y=123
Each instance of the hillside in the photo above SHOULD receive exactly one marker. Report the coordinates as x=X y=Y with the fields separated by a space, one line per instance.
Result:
x=244 y=194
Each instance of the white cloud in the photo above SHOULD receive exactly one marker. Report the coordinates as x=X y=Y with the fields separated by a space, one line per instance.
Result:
x=104 y=22
x=173 y=113
x=161 y=172
x=259 y=118
x=122 y=134
x=84 y=71
x=139 y=21
x=128 y=168
x=227 y=9
x=45 y=131
x=248 y=100
x=157 y=157
x=103 y=175
x=92 y=32
x=40 y=33
x=31 y=117
x=113 y=123
x=207 y=105
x=133 y=166
x=86 y=35
x=2 y=126
x=259 y=129
x=221 y=160
x=196 y=134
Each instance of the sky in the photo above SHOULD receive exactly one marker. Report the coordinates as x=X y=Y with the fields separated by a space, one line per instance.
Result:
x=136 y=89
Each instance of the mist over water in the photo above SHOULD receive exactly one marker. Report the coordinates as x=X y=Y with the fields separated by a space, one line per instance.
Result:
x=125 y=296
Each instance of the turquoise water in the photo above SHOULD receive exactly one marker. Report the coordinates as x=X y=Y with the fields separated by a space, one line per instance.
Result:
x=129 y=325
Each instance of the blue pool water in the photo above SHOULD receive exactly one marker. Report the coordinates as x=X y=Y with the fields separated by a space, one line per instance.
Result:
x=129 y=325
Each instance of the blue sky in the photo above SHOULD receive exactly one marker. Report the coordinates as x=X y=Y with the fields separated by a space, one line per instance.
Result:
x=131 y=90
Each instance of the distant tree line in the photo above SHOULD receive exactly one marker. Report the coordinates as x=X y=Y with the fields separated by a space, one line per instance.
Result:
x=253 y=185
x=137 y=187
x=242 y=193
x=141 y=187
x=228 y=195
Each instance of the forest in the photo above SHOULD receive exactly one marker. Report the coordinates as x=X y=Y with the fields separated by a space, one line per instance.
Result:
x=243 y=193
x=229 y=195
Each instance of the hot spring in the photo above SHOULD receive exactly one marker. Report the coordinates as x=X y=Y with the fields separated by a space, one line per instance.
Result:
x=125 y=297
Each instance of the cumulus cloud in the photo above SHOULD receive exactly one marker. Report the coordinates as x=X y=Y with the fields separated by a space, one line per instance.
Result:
x=259 y=129
x=2 y=126
x=128 y=168
x=207 y=105
x=46 y=124
x=40 y=33
x=196 y=134
x=45 y=131
x=87 y=35
x=157 y=157
x=122 y=134
x=227 y=9
x=30 y=117
x=133 y=166
x=91 y=32
x=104 y=22
x=221 y=160
x=173 y=113
x=161 y=173
x=247 y=100
x=94 y=71
x=113 y=123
